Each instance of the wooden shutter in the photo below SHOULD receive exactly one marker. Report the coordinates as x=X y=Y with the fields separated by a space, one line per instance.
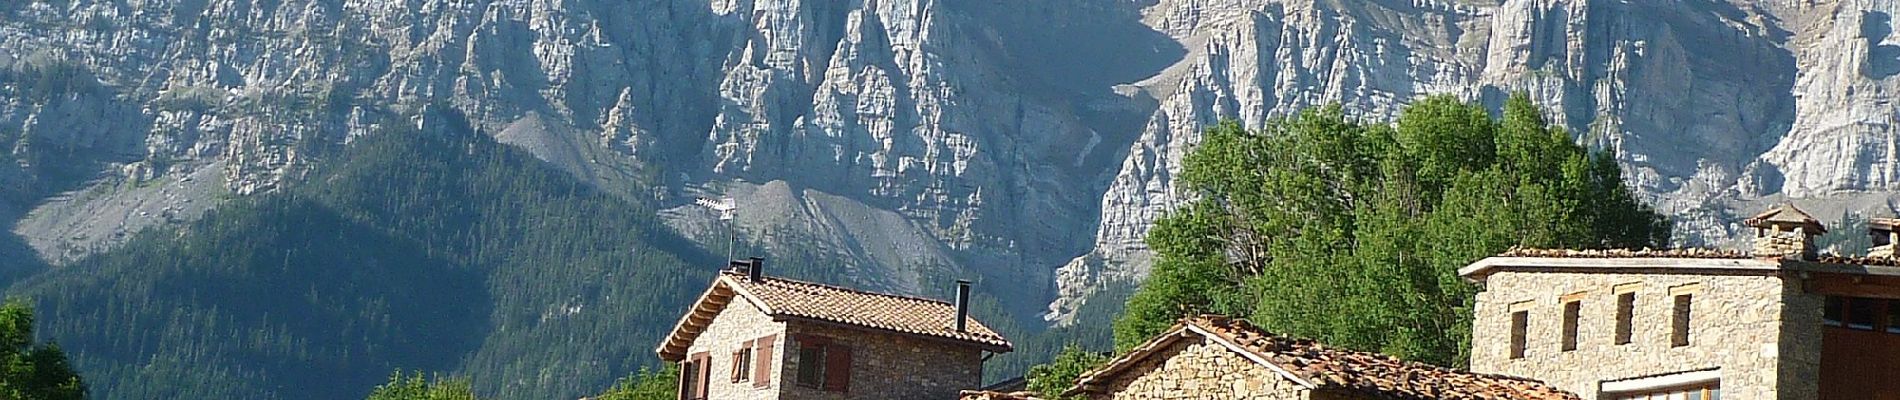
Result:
x=734 y=373
x=763 y=361
x=838 y=368
x=686 y=380
x=705 y=375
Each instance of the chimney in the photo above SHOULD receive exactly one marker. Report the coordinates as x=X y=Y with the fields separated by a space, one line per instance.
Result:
x=1785 y=232
x=963 y=305
x=755 y=270
x=1882 y=231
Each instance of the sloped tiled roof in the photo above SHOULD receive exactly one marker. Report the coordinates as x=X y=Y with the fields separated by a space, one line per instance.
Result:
x=1324 y=368
x=994 y=395
x=1690 y=260
x=785 y=299
x=1626 y=253
x=1786 y=214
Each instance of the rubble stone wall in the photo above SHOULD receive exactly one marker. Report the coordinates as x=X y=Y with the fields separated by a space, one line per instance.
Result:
x=887 y=366
x=1736 y=325
x=738 y=323
x=1201 y=369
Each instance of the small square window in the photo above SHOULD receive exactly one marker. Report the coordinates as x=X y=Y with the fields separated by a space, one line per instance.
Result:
x=1861 y=313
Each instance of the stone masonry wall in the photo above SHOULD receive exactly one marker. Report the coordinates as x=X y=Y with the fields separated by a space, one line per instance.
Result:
x=888 y=366
x=1800 y=348
x=738 y=323
x=1192 y=369
x=1735 y=325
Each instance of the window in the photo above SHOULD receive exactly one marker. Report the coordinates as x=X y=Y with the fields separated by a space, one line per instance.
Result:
x=689 y=371
x=693 y=374
x=1679 y=326
x=763 y=360
x=1573 y=311
x=1831 y=314
x=823 y=364
x=811 y=366
x=742 y=363
x=1709 y=391
x=1520 y=329
x=1893 y=316
x=1625 y=317
x=1861 y=313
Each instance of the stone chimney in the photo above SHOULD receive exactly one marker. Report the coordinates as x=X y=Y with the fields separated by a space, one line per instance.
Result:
x=1882 y=231
x=1786 y=232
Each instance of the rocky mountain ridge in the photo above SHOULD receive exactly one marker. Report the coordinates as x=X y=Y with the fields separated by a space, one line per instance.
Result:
x=1028 y=143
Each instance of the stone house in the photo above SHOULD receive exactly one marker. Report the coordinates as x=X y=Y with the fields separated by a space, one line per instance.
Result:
x=1220 y=358
x=756 y=337
x=1782 y=322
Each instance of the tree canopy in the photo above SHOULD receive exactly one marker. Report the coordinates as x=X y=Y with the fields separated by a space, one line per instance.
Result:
x=415 y=387
x=1051 y=379
x=29 y=371
x=649 y=384
x=1323 y=226
x=436 y=249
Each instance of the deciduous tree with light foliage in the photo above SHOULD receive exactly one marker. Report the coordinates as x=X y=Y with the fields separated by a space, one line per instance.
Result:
x=1324 y=226
x=1051 y=379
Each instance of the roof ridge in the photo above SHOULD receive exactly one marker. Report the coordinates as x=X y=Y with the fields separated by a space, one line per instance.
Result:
x=838 y=287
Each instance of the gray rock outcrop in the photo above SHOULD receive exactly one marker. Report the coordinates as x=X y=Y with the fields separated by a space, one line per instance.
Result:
x=1029 y=143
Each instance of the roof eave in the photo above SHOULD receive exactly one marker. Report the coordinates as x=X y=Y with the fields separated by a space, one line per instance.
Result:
x=1479 y=271
x=679 y=334
x=1005 y=347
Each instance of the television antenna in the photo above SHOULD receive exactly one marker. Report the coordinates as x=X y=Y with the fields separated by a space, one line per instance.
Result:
x=727 y=209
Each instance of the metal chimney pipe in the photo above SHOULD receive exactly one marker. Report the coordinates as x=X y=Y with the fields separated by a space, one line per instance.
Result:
x=757 y=270
x=963 y=305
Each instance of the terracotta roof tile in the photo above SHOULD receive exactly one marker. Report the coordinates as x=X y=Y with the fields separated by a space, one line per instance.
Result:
x=1626 y=253
x=914 y=315
x=1372 y=374
x=1786 y=214
x=991 y=395
x=786 y=298
x=1688 y=253
x=1860 y=260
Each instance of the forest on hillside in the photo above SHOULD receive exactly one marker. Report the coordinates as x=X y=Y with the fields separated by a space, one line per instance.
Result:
x=436 y=250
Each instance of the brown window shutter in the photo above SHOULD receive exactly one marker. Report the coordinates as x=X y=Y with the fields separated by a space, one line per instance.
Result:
x=685 y=391
x=705 y=376
x=762 y=362
x=838 y=368
x=734 y=373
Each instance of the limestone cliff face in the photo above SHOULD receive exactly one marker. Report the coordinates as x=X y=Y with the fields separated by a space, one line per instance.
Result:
x=1030 y=143
x=1713 y=108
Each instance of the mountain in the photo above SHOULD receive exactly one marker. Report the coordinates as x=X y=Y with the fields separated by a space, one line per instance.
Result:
x=442 y=252
x=890 y=143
